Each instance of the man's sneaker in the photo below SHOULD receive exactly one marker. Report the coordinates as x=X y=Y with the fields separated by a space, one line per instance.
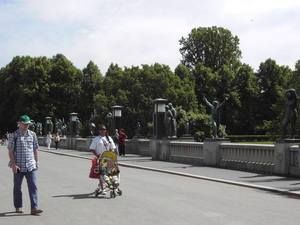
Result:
x=103 y=192
x=36 y=211
x=19 y=210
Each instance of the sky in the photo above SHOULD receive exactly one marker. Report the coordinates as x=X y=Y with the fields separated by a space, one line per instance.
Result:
x=135 y=32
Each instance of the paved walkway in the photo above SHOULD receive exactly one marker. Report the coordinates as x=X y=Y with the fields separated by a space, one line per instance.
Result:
x=267 y=182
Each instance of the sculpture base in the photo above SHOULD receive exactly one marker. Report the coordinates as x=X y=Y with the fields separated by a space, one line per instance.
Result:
x=172 y=137
x=139 y=136
x=216 y=139
x=288 y=140
x=186 y=138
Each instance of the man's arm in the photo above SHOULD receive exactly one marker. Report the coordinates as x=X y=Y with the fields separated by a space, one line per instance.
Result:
x=12 y=160
x=94 y=152
x=36 y=157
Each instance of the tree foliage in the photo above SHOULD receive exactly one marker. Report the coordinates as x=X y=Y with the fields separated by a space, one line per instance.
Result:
x=91 y=84
x=210 y=67
x=272 y=81
x=211 y=46
x=135 y=89
x=39 y=87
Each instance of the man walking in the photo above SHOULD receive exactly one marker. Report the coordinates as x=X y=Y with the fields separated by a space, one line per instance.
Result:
x=23 y=154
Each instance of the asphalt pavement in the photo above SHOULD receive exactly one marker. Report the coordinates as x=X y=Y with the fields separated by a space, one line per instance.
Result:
x=266 y=182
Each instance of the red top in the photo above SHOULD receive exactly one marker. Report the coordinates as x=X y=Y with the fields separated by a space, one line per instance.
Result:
x=122 y=138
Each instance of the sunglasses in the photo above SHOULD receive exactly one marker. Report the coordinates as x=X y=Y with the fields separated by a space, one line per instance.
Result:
x=102 y=129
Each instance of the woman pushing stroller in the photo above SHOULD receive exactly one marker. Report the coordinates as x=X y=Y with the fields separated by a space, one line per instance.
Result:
x=99 y=145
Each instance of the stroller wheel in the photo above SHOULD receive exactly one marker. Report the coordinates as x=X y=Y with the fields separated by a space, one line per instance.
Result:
x=96 y=193
x=119 y=192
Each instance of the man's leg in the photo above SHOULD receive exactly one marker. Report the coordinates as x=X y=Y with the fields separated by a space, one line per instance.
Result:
x=18 y=200
x=32 y=188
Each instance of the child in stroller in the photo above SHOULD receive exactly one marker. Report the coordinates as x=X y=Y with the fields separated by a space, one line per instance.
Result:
x=109 y=173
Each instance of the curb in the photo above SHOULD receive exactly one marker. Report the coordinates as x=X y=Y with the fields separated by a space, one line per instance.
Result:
x=259 y=187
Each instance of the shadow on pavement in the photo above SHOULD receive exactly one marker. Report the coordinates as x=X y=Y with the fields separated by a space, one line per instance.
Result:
x=82 y=196
x=13 y=214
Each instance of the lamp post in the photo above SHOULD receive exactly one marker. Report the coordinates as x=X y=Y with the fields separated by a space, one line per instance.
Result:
x=158 y=117
x=73 y=124
x=48 y=125
x=116 y=118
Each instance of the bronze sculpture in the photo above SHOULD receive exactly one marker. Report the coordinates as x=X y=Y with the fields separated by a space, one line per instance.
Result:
x=167 y=120
x=291 y=113
x=173 y=120
x=215 y=115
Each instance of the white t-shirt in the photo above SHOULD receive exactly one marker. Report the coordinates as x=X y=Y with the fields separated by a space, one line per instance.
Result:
x=101 y=144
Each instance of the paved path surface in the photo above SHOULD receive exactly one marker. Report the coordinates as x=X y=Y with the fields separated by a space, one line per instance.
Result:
x=267 y=182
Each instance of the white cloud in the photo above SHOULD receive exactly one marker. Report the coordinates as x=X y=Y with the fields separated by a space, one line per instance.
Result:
x=135 y=32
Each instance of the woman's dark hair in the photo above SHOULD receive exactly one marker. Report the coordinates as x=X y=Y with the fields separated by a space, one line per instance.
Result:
x=101 y=125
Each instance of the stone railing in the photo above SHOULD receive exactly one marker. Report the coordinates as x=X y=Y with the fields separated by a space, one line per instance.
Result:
x=190 y=152
x=295 y=153
x=280 y=158
x=247 y=156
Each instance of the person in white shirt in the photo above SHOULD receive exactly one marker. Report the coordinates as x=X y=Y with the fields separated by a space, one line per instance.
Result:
x=99 y=145
x=49 y=140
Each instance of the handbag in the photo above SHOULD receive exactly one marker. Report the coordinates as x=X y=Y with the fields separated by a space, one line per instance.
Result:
x=94 y=172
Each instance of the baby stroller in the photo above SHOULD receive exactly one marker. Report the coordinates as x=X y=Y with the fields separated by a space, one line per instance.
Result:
x=109 y=173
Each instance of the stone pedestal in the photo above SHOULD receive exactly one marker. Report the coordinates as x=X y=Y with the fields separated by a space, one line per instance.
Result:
x=211 y=151
x=282 y=157
x=71 y=143
x=135 y=144
x=187 y=138
x=88 y=142
x=160 y=149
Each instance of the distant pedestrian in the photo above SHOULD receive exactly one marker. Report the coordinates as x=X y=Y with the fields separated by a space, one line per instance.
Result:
x=23 y=154
x=115 y=137
x=49 y=140
x=121 y=142
x=56 y=140
x=5 y=137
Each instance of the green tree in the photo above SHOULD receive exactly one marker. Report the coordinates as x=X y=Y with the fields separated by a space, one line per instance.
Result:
x=35 y=88
x=25 y=85
x=187 y=90
x=294 y=81
x=212 y=46
x=243 y=113
x=108 y=95
x=135 y=89
x=272 y=80
x=65 y=89
x=10 y=92
x=91 y=85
